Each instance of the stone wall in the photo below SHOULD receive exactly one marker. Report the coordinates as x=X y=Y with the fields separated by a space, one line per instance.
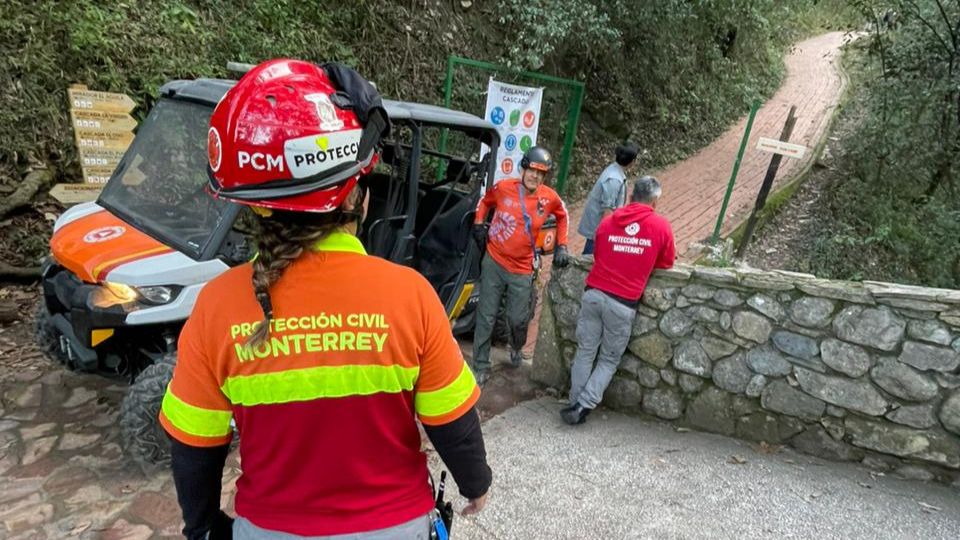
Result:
x=850 y=371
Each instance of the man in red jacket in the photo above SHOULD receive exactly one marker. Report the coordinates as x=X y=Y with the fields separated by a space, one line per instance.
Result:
x=520 y=207
x=630 y=243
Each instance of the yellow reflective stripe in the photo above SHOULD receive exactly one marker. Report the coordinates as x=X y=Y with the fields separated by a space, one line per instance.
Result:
x=194 y=420
x=340 y=241
x=446 y=399
x=318 y=382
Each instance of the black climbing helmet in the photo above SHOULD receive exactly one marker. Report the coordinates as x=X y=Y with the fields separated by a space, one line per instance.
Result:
x=538 y=158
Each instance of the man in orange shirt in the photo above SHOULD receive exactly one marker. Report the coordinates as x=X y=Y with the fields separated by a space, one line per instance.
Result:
x=520 y=207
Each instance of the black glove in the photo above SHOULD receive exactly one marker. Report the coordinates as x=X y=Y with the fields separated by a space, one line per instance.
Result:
x=480 y=234
x=560 y=257
x=222 y=527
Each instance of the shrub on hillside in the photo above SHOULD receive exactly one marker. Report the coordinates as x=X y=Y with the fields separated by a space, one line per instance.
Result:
x=898 y=205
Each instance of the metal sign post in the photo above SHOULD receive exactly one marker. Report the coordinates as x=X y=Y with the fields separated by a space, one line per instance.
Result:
x=736 y=169
x=573 y=112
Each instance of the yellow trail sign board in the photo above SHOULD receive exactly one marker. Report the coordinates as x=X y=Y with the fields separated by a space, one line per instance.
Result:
x=99 y=139
x=90 y=100
x=97 y=175
x=75 y=193
x=100 y=158
x=102 y=120
x=103 y=130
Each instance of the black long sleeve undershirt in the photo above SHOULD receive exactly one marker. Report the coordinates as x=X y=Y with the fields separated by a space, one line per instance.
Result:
x=198 y=474
x=460 y=445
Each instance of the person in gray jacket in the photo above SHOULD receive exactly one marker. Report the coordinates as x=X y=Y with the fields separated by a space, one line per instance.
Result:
x=608 y=193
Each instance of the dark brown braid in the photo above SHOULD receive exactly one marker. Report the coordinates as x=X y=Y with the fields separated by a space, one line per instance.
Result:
x=281 y=239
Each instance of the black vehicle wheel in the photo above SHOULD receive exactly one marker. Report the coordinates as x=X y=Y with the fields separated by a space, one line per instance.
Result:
x=144 y=439
x=46 y=336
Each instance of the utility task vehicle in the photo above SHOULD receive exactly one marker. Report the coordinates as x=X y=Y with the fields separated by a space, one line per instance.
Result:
x=125 y=271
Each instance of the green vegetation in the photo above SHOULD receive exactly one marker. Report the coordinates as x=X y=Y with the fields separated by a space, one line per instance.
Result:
x=895 y=205
x=672 y=74
x=812 y=17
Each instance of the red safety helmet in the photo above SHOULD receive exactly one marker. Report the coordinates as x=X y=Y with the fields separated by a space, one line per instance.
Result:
x=291 y=135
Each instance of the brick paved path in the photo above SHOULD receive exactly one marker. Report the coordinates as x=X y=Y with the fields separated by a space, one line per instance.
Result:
x=693 y=189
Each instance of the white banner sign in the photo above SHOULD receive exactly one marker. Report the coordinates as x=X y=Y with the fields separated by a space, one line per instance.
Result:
x=515 y=111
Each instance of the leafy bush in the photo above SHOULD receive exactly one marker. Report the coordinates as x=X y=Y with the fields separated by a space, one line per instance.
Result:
x=672 y=73
x=898 y=205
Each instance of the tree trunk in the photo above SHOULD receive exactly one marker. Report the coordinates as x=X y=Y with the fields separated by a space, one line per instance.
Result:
x=18 y=273
x=25 y=192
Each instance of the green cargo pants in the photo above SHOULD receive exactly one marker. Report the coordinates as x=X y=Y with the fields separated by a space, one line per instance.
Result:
x=495 y=281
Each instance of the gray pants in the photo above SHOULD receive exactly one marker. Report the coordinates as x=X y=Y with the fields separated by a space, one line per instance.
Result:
x=495 y=282
x=605 y=325
x=415 y=529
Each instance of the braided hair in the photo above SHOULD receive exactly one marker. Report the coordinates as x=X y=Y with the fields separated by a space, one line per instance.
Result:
x=281 y=239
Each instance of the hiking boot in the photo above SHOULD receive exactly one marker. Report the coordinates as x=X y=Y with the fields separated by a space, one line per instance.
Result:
x=516 y=358
x=575 y=414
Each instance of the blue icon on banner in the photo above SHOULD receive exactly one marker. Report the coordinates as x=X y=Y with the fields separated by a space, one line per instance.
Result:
x=497 y=115
x=510 y=143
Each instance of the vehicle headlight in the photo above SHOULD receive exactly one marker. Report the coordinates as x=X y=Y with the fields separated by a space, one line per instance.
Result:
x=157 y=294
x=124 y=293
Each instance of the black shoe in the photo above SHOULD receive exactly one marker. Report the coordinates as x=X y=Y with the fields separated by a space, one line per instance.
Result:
x=482 y=377
x=516 y=358
x=575 y=414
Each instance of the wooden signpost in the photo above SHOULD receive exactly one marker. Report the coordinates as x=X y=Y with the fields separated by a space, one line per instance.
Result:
x=75 y=193
x=779 y=149
x=103 y=129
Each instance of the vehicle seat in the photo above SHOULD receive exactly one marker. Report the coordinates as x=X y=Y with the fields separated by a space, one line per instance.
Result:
x=443 y=247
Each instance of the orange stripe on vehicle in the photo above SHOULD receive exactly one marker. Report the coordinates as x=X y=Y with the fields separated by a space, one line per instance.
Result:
x=106 y=267
x=93 y=243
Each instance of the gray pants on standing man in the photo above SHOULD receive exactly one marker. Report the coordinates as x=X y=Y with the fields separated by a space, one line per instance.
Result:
x=495 y=282
x=604 y=325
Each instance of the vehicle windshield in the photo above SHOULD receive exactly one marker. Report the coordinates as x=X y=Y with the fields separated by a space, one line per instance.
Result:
x=159 y=185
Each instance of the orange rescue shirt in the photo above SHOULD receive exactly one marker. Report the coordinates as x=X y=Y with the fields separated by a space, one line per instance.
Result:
x=508 y=242
x=326 y=407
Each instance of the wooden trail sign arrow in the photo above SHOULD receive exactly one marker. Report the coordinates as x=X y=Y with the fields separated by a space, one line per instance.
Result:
x=103 y=158
x=75 y=193
x=90 y=100
x=103 y=130
x=102 y=120
x=97 y=175
x=99 y=139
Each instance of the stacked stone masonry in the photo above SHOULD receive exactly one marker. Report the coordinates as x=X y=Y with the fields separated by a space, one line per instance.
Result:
x=845 y=370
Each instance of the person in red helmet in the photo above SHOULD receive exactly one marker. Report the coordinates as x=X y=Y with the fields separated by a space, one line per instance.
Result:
x=323 y=358
x=520 y=208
